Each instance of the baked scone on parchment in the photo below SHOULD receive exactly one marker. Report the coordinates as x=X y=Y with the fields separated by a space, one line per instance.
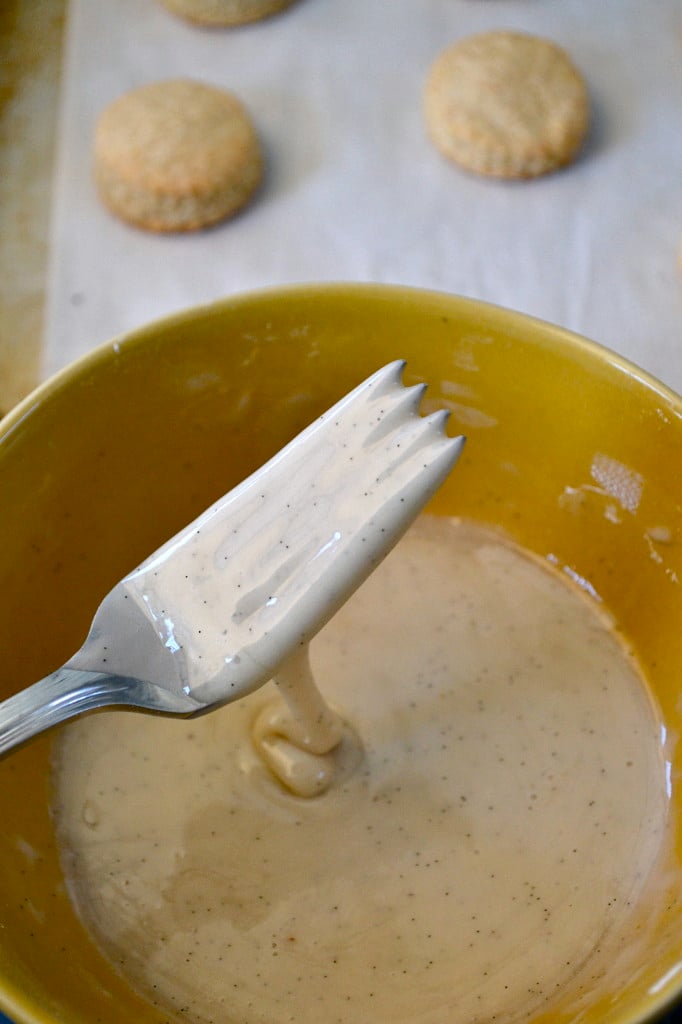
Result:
x=225 y=12
x=506 y=104
x=176 y=155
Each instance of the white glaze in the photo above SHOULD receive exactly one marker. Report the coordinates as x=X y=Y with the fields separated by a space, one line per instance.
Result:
x=298 y=735
x=218 y=608
x=494 y=848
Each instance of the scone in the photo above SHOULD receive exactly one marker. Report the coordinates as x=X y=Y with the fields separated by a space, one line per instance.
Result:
x=225 y=12
x=506 y=104
x=176 y=155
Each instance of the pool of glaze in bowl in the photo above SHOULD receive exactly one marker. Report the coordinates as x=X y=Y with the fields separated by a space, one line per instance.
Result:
x=492 y=841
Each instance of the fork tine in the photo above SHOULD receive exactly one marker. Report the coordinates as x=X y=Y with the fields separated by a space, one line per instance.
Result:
x=396 y=408
x=417 y=431
x=428 y=453
x=382 y=383
x=387 y=378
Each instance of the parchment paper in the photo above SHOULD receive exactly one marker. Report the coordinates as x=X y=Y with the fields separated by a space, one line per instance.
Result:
x=354 y=189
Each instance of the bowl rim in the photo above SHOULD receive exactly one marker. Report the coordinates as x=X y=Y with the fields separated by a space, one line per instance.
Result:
x=500 y=315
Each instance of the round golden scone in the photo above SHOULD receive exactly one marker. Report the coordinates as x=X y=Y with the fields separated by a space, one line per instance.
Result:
x=226 y=12
x=176 y=155
x=506 y=104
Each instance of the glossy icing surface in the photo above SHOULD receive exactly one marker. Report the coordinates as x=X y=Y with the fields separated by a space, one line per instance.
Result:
x=486 y=851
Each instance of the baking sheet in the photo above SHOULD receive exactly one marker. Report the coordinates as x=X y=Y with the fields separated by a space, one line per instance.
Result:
x=354 y=189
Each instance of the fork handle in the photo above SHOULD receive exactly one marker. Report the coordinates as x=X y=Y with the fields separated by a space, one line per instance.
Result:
x=54 y=699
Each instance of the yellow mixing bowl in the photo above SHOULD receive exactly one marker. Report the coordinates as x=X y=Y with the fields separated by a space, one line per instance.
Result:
x=571 y=450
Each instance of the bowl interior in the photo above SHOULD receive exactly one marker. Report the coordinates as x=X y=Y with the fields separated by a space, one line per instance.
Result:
x=571 y=451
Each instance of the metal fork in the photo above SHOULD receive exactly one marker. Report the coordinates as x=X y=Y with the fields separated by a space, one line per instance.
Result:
x=213 y=613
